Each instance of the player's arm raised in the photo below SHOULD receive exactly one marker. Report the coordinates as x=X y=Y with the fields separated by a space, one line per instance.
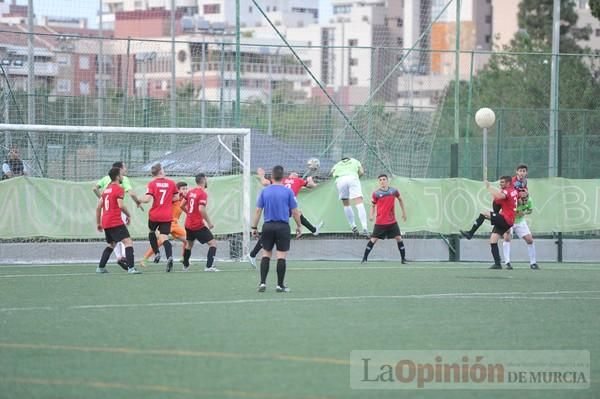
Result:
x=499 y=195
x=261 y=175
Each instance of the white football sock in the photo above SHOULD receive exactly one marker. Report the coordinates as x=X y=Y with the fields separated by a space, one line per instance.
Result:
x=120 y=250
x=349 y=215
x=506 y=251
x=531 y=251
x=362 y=215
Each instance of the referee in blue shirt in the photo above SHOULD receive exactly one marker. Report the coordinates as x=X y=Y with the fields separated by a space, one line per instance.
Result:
x=278 y=203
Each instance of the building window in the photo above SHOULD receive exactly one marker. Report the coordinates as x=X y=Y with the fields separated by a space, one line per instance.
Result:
x=353 y=81
x=63 y=86
x=84 y=62
x=597 y=32
x=63 y=59
x=399 y=22
x=400 y=41
x=268 y=9
x=342 y=9
x=488 y=39
x=274 y=8
x=212 y=9
x=353 y=61
x=84 y=87
x=250 y=9
x=137 y=5
x=353 y=42
x=488 y=19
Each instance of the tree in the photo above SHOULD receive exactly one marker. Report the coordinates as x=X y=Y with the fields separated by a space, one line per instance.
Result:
x=595 y=8
x=535 y=17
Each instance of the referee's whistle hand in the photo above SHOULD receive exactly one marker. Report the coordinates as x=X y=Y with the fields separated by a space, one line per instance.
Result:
x=298 y=232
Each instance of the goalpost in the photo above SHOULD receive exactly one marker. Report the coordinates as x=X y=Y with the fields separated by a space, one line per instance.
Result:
x=66 y=161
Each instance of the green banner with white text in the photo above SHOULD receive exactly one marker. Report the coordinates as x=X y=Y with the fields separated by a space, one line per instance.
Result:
x=56 y=209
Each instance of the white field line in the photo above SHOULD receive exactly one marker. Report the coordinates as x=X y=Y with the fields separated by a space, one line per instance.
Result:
x=542 y=295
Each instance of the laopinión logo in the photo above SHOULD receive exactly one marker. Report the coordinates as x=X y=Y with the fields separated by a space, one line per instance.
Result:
x=470 y=369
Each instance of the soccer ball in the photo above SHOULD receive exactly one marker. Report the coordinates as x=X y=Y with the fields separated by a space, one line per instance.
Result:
x=313 y=164
x=485 y=118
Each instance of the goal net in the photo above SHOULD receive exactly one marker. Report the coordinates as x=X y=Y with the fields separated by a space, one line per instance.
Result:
x=54 y=205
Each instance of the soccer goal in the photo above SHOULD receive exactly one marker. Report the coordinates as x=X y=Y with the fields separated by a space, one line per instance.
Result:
x=54 y=204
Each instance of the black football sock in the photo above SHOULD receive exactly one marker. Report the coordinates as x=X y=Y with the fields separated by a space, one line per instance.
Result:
x=256 y=249
x=168 y=249
x=186 y=257
x=280 y=272
x=307 y=224
x=153 y=242
x=477 y=223
x=495 y=253
x=104 y=258
x=368 y=250
x=129 y=257
x=264 y=269
x=210 y=257
x=402 y=250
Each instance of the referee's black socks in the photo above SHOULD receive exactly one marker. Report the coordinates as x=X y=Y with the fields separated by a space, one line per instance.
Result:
x=495 y=253
x=105 y=256
x=264 y=269
x=280 y=272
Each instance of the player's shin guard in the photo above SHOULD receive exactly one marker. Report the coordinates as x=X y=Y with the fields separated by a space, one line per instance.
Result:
x=506 y=251
x=368 y=250
x=531 y=252
x=495 y=253
x=402 y=250
x=256 y=248
x=349 y=215
x=105 y=256
x=210 y=257
x=307 y=224
x=362 y=215
x=186 y=257
x=280 y=272
x=264 y=269
x=153 y=241
x=168 y=249
x=129 y=257
x=478 y=222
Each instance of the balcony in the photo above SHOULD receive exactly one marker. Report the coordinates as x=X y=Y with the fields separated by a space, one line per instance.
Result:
x=48 y=69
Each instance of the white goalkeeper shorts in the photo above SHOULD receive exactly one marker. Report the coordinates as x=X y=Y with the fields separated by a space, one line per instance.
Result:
x=521 y=229
x=348 y=187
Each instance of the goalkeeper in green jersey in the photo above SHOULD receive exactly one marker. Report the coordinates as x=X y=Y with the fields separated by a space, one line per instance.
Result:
x=521 y=229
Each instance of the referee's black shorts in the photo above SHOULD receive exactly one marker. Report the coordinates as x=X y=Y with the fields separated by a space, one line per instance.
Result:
x=500 y=224
x=276 y=234
x=383 y=231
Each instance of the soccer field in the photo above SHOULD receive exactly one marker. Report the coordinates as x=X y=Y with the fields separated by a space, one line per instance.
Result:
x=67 y=332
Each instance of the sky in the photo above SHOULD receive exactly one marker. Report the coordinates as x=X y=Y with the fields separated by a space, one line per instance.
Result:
x=88 y=8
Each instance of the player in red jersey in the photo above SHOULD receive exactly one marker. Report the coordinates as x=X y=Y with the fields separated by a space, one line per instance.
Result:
x=108 y=218
x=506 y=197
x=386 y=226
x=163 y=192
x=295 y=183
x=198 y=224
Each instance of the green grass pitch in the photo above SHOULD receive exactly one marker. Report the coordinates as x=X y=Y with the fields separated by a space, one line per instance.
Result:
x=66 y=332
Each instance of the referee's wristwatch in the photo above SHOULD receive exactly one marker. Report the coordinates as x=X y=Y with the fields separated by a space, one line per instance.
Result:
x=254 y=228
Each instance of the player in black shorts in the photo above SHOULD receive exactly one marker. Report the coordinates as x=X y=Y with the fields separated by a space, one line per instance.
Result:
x=386 y=226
